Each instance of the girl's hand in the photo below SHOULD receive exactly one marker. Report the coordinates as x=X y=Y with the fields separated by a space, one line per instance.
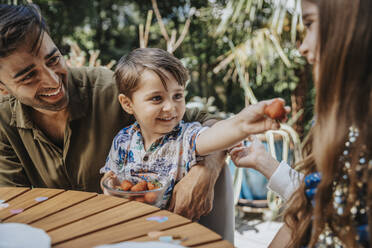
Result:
x=254 y=156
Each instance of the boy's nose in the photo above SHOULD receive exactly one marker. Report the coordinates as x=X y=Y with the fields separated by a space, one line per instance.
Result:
x=168 y=106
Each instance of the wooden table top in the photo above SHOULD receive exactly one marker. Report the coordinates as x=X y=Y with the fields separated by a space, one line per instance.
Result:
x=83 y=219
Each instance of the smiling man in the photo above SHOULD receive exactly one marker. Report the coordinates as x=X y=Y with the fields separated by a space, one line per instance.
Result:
x=57 y=123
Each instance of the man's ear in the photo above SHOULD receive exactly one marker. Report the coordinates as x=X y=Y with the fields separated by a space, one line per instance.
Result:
x=125 y=103
x=3 y=89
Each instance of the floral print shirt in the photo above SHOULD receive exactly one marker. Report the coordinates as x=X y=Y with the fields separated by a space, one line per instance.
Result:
x=166 y=161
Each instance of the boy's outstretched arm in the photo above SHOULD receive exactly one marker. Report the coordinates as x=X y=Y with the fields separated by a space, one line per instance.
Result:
x=227 y=133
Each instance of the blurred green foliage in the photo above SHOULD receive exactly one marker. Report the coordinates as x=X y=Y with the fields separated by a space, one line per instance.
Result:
x=111 y=26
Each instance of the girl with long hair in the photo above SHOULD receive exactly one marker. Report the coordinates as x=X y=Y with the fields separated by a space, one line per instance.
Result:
x=332 y=204
x=332 y=207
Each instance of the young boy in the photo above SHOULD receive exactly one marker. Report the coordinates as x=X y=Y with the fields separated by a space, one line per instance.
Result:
x=159 y=147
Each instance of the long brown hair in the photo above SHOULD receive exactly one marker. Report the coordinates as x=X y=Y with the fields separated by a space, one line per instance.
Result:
x=343 y=99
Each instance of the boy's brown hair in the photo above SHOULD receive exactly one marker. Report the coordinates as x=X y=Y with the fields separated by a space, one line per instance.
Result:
x=130 y=67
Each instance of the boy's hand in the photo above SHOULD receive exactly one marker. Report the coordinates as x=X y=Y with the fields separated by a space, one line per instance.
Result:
x=254 y=156
x=256 y=121
x=112 y=181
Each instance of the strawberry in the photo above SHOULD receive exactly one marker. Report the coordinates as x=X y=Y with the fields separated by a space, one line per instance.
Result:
x=126 y=185
x=150 y=186
x=139 y=186
x=150 y=197
x=275 y=110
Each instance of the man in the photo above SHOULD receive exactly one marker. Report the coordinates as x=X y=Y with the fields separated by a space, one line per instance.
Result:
x=57 y=123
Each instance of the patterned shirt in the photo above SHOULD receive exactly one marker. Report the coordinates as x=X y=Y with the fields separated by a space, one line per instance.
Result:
x=166 y=161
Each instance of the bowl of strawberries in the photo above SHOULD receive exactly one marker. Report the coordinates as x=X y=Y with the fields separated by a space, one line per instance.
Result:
x=150 y=192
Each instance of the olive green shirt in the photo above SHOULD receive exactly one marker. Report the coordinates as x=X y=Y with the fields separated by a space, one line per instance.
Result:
x=29 y=158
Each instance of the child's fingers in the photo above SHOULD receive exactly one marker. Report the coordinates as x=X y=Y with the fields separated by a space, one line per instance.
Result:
x=270 y=124
x=255 y=139
x=236 y=150
x=106 y=175
x=287 y=109
x=240 y=144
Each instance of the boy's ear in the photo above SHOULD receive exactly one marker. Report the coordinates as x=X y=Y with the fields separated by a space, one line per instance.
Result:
x=125 y=103
x=3 y=89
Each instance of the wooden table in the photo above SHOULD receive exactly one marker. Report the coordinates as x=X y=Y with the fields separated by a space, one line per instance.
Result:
x=82 y=219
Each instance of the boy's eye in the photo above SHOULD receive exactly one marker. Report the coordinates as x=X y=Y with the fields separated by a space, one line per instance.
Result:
x=178 y=96
x=156 y=98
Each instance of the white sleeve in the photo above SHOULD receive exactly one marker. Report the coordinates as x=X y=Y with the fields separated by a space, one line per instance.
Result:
x=285 y=181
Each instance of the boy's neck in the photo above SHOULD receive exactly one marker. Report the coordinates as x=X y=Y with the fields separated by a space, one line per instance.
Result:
x=149 y=138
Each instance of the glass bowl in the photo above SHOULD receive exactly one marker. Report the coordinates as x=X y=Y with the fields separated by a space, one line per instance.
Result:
x=152 y=197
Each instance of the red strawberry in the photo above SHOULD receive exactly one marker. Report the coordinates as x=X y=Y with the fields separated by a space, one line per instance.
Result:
x=126 y=185
x=275 y=110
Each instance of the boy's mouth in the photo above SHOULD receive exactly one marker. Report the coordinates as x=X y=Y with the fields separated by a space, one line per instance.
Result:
x=167 y=118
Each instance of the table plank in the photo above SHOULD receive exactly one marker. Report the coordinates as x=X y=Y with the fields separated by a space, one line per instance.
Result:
x=118 y=233
x=193 y=234
x=27 y=200
x=217 y=244
x=101 y=220
x=50 y=206
x=8 y=193
x=79 y=211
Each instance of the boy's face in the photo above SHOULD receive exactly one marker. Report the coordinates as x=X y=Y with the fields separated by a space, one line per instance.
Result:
x=37 y=80
x=156 y=109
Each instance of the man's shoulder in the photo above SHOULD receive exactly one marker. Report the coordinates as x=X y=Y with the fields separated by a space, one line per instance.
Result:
x=195 y=114
x=191 y=125
x=7 y=115
x=186 y=127
x=95 y=82
x=90 y=76
x=5 y=108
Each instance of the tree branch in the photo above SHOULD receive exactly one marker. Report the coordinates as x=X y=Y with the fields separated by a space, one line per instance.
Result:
x=161 y=23
x=147 y=28
x=184 y=30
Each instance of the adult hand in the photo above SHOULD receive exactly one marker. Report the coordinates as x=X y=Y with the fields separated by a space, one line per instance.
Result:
x=193 y=195
x=254 y=156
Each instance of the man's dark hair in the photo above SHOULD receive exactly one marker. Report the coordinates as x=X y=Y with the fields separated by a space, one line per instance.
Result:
x=20 y=24
x=130 y=67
